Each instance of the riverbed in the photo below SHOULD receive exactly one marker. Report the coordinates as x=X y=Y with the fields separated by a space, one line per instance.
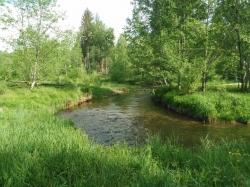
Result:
x=134 y=117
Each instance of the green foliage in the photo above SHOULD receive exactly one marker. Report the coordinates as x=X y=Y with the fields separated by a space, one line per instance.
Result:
x=181 y=43
x=170 y=43
x=191 y=77
x=33 y=34
x=169 y=30
x=234 y=16
x=117 y=72
x=120 y=66
x=96 y=42
x=61 y=61
x=6 y=62
x=93 y=78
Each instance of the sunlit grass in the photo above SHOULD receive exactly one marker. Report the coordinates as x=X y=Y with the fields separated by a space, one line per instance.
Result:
x=39 y=149
x=209 y=106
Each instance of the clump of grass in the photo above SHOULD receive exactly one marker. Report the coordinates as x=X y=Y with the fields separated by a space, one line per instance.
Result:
x=196 y=106
x=208 y=106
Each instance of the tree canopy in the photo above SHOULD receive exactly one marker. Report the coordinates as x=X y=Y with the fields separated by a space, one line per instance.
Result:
x=187 y=42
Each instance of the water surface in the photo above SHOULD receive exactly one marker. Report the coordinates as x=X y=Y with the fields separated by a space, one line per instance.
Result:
x=133 y=117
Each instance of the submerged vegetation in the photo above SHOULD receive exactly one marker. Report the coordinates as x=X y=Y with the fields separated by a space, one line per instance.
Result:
x=39 y=149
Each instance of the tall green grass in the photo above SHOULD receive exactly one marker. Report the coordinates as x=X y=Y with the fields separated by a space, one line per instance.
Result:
x=39 y=149
x=3 y=88
x=208 y=106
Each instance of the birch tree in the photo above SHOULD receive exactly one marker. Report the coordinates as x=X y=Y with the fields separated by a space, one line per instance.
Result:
x=33 y=22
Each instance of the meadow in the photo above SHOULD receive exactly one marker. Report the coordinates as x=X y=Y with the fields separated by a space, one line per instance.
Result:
x=37 y=148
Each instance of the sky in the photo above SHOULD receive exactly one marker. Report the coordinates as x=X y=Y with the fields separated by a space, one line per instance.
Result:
x=112 y=12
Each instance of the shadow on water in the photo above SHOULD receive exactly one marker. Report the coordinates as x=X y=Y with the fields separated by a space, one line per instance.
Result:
x=133 y=117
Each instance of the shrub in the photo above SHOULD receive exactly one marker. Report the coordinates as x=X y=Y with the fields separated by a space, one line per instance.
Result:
x=118 y=72
x=191 y=78
x=93 y=78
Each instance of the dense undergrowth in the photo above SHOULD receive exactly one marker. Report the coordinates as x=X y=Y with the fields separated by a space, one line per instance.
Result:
x=39 y=149
x=209 y=106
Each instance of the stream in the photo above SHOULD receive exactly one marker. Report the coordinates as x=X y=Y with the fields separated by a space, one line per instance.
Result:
x=132 y=118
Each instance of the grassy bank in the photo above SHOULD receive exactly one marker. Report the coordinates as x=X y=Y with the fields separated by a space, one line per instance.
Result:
x=209 y=106
x=39 y=149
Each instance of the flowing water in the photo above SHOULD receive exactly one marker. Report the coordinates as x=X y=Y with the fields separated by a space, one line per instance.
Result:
x=133 y=117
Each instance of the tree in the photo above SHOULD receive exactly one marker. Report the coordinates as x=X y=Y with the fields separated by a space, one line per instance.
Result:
x=137 y=34
x=210 y=50
x=165 y=27
x=120 y=66
x=63 y=63
x=234 y=18
x=96 y=42
x=35 y=21
x=103 y=42
x=86 y=32
x=186 y=40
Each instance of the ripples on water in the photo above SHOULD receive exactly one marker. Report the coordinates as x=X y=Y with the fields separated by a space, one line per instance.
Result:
x=132 y=117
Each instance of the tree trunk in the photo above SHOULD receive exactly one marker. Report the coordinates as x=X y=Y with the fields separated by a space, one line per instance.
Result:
x=34 y=77
x=34 y=71
x=33 y=85
x=66 y=70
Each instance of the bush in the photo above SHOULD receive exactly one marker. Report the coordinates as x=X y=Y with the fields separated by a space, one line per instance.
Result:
x=118 y=72
x=191 y=78
x=93 y=78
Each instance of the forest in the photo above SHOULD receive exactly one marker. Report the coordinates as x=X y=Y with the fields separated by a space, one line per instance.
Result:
x=180 y=67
